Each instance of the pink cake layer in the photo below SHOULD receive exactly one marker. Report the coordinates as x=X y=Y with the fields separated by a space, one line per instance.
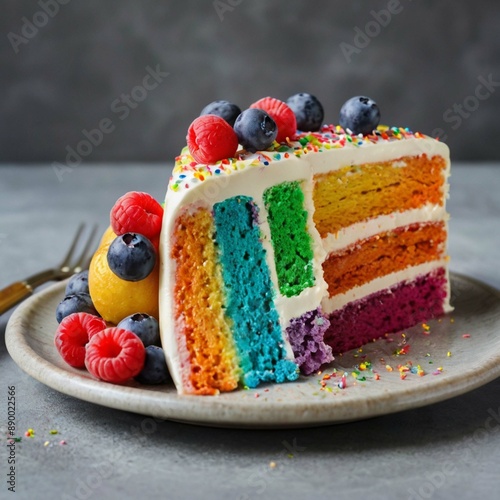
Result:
x=397 y=308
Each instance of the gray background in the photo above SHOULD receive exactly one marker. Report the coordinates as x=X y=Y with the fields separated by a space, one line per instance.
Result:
x=71 y=72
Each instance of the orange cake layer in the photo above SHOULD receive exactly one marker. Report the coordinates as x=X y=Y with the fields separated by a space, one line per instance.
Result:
x=383 y=254
x=203 y=329
x=357 y=193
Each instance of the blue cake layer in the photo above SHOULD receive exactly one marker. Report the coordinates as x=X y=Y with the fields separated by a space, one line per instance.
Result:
x=249 y=294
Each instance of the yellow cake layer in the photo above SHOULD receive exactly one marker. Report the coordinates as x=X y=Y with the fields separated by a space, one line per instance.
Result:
x=199 y=307
x=357 y=193
x=383 y=254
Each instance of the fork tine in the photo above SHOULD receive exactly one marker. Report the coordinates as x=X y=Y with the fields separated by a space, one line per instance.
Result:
x=18 y=291
x=83 y=260
x=67 y=259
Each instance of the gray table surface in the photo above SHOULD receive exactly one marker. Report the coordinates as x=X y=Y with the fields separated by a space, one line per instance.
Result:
x=438 y=451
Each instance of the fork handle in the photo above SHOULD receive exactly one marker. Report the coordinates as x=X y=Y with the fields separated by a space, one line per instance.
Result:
x=13 y=294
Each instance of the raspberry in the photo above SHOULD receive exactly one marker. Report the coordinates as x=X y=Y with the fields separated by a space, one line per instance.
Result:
x=137 y=212
x=281 y=113
x=73 y=334
x=115 y=355
x=210 y=138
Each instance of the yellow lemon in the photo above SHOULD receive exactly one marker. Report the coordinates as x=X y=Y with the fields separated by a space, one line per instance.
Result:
x=107 y=237
x=115 y=298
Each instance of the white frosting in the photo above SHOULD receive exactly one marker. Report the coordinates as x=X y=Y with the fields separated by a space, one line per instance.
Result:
x=409 y=274
x=361 y=230
x=373 y=153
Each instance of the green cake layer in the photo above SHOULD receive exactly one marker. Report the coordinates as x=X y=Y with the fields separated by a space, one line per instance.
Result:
x=293 y=250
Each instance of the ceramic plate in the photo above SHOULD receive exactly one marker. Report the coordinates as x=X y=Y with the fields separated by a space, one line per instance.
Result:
x=423 y=365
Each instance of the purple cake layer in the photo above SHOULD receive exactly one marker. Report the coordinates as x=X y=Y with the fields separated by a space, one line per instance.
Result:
x=391 y=310
x=305 y=335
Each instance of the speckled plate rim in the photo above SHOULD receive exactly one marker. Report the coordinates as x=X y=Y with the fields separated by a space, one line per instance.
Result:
x=29 y=333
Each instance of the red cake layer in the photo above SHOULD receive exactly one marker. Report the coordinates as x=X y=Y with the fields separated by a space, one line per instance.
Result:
x=387 y=311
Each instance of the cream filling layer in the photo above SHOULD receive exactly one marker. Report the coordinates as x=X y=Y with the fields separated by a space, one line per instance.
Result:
x=346 y=237
x=378 y=284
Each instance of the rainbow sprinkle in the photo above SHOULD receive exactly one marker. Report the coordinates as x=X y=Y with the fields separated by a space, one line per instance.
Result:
x=343 y=382
x=402 y=351
x=187 y=172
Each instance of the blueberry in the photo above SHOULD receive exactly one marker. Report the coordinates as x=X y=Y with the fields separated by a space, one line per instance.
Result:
x=360 y=115
x=144 y=326
x=224 y=109
x=79 y=283
x=308 y=111
x=155 y=369
x=131 y=256
x=255 y=129
x=78 y=302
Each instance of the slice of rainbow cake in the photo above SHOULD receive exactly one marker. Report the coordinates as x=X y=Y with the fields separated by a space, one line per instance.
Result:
x=274 y=261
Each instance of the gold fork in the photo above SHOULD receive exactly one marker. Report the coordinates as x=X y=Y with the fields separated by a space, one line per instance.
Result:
x=16 y=292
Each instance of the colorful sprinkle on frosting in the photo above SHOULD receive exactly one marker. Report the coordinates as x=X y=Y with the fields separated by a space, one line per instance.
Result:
x=188 y=173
